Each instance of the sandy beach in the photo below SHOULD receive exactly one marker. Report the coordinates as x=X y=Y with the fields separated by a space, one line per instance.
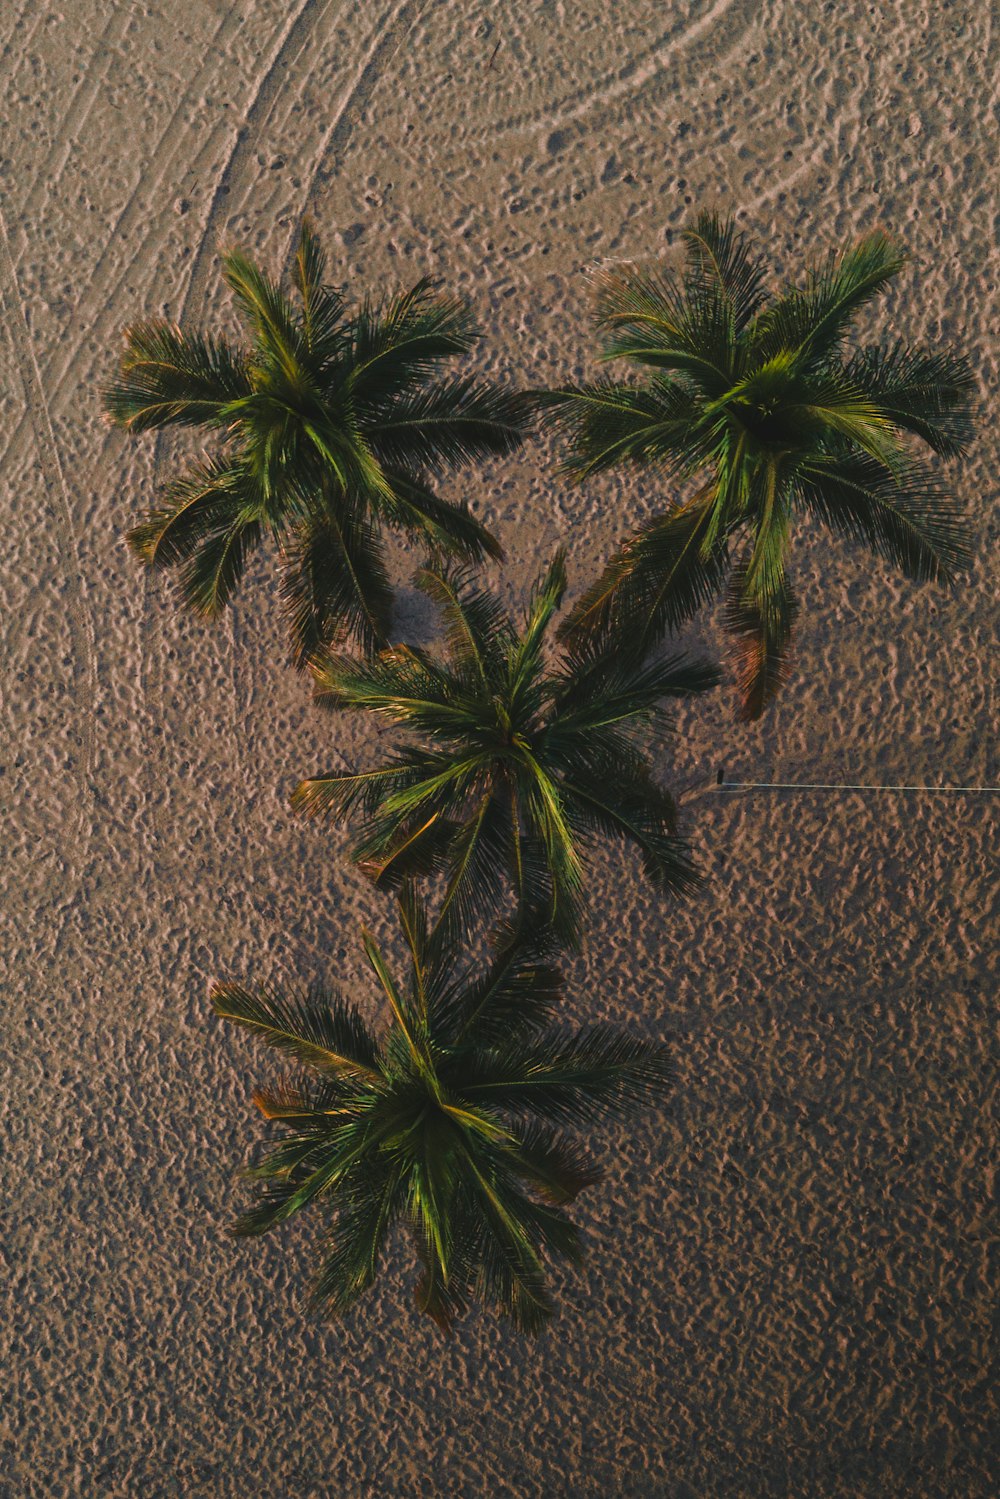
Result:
x=791 y=1273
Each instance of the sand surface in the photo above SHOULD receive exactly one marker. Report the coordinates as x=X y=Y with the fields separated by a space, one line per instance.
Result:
x=788 y=1284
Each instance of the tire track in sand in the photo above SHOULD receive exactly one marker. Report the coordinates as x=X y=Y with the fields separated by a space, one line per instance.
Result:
x=13 y=36
x=79 y=615
x=97 y=313
x=292 y=62
x=290 y=39
x=50 y=172
x=385 y=41
x=626 y=79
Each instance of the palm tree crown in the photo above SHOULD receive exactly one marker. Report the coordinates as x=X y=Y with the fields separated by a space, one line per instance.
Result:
x=331 y=420
x=512 y=765
x=452 y=1122
x=758 y=402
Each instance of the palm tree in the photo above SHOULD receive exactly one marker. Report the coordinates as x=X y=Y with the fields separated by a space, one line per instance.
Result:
x=513 y=766
x=759 y=403
x=452 y=1122
x=331 y=422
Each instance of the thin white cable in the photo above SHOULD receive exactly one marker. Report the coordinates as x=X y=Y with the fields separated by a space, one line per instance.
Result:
x=847 y=786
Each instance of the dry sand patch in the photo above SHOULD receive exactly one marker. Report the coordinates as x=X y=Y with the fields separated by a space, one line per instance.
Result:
x=788 y=1284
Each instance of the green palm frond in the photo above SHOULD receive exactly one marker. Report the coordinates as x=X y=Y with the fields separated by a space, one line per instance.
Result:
x=926 y=392
x=835 y=407
x=610 y=423
x=445 y=1302
x=647 y=317
x=811 y=322
x=334 y=582
x=208 y=578
x=659 y=580
x=319 y=1030
x=169 y=377
x=379 y=682
x=522 y=988
x=415 y=825
x=906 y=517
x=408 y=849
x=411 y=1021
x=770 y=526
x=407 y=338
x=400 y=685
x=334 y=424
x=510 y=1236
x=766 y=412
x=427 y=945
x=306 y=1101
x=516 y=1232
x=480 y=852
x=761 y=626
x=445 y=526
x=448 y=424
x=320 y=1168
x=279 y=340
x=211 y=496
x=525 y=653
x=599 y=688
x=571 y=1079
x=720 y=264
x=447 y=782
x=511 y=757
x=477 y=629
x=549 y=817
x=367 y=1206
x=446 y=1127
x=323 y=330
x=272 y=1205
x=635 y=810
x=340 y=795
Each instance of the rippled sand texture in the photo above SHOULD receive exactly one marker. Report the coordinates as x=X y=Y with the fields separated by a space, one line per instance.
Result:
x=788 y=1284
